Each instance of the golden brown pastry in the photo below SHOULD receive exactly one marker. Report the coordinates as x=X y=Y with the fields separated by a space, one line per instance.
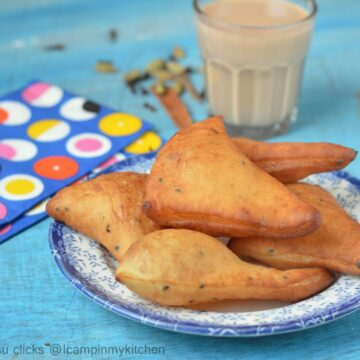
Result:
x=290 y=161
x=107 y=209
x=335 y=245
x=200 y=180
x=179 y=267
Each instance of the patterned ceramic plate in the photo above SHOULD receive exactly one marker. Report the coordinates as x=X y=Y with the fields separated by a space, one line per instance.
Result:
x=91 y=270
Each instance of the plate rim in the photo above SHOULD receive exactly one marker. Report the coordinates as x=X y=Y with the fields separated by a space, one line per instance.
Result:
x=345 y=308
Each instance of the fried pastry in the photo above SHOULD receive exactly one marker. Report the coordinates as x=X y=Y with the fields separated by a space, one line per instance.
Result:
x=201 y=181
x=290 y=161
x=179 y=267
x=107 y=209
x=334 y=245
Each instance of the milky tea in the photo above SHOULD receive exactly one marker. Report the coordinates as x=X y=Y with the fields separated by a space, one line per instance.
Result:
x=254 y=52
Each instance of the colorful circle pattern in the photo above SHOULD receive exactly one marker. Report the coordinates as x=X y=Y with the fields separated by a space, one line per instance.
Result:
x=48 y=130
x=3 y=211
x=13 y=113
x=56 y=167
x=148 y=142
x=42 y=95
x=17 y=150
x=120 y=124
x=5 y=229
x=79 y=109
x=19 y=187
x=88 y=145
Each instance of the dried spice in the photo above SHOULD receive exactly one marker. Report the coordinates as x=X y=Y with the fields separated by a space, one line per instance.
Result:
x=105 y=66
x=149 y=107
x=178 y=53
x=171 y=79
x=144 y=91
x=175 y=68
x=160 y=88
x=163 y=75
x=113 y=35
x=54 y=47
x=178 y=88
x=155 y=65
x=176 y=108
x=133 y=76
x=185 y=81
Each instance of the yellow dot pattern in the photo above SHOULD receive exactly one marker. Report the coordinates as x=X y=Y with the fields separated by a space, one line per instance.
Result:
x=38 y=128
x=120 y=124
x=148 y=142
x=20 y=187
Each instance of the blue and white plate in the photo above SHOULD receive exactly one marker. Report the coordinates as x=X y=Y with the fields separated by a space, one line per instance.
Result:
x=91 y=270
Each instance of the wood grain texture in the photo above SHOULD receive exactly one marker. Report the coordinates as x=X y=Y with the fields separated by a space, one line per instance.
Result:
x=38 y=304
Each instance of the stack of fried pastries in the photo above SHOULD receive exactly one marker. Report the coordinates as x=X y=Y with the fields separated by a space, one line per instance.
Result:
x=162 y=227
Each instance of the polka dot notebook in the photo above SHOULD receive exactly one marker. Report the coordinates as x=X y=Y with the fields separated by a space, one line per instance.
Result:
x=50 y=138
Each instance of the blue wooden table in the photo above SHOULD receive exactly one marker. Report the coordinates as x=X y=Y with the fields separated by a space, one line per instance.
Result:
x=38 y=305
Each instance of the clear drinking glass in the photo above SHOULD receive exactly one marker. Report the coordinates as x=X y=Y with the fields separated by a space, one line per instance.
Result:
x=254 y=53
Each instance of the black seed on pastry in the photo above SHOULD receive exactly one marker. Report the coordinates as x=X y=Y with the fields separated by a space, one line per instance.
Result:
x=147 y=205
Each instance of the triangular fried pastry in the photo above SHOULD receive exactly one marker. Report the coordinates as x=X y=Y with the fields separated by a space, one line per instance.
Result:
x=107 y=209
x=201 y=181
x=179 y=267
x=334 y=245
x=292 y=161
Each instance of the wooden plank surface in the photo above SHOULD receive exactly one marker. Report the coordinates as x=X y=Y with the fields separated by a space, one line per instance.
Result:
x=38 y=305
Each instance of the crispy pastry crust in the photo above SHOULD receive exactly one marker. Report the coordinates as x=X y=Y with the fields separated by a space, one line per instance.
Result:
x=182 y=267
x=290 y=161
x=334 y=245
x=107 y=209
x=200 y=180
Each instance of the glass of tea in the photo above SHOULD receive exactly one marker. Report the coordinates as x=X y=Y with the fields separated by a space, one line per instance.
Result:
x=254 y=53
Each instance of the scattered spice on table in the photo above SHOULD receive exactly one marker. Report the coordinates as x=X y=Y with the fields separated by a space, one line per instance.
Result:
x=174 y=106
x=113 y=35
x=144 y=91
x=149 y=107
x=54 y=47
x=170 y=79
x=165 y=73
x=105 y=66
